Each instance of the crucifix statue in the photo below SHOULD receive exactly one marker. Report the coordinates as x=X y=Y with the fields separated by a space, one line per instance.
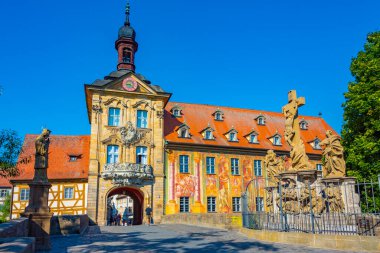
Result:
x=300 y=161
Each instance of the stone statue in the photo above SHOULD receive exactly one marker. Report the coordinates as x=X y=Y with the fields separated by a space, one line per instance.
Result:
x=42 y=149
x=290 y=202
x=333 y=155
x=300 y=161
x=273 y=166
x=334 y=198
x=269 y=200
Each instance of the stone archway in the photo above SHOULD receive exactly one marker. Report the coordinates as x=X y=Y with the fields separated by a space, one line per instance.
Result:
x=138 y=201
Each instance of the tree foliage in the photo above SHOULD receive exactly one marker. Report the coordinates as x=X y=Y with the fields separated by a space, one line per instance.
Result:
x=361 y=129
x=5 y=209
x=10 y=148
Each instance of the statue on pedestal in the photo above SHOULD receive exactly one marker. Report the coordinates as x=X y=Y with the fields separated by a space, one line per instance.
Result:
x=333 y=155
x=273 y=166
x=300 y=161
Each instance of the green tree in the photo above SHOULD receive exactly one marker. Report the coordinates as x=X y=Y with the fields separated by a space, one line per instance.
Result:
x=5 y=209
x=10 y=148
x=361 y=129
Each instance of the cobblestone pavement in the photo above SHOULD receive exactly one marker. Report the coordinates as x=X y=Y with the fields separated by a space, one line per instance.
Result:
x=169 y=238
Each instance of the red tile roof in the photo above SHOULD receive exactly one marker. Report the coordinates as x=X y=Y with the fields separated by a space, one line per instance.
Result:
x=4 y=182
x=199 y=116
x=60 y=149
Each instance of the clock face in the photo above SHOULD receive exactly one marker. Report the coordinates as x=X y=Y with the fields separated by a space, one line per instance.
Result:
x=129 y=84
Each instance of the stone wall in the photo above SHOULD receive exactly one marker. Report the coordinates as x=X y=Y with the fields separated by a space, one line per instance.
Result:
x=69 y=224
x=15 y=228
x=220 y=220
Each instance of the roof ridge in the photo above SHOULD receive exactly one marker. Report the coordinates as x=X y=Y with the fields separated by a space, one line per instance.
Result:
x=239 y=108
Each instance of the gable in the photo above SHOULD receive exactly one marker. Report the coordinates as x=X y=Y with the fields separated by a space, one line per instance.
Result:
x=130 y=83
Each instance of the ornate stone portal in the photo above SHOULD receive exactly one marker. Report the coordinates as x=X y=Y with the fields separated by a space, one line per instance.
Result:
x=38 y=210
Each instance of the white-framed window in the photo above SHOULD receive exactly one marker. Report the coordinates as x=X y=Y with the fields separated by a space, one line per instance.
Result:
x=319 y=167
x=211 y=204
x=259 y=204
x=68 y=193
x=257 y=167
x=184 y=163
x=142 y=119
x=141 y=155
x=3 y=193
x=277 y=140
x=208 y=135
x=233 y=136
x=210 y=165
x=317 y=144
x=218 y=116
x=112 y=154
x=236 y=204
x=253 y=138
x=176 y=112
x=234 y=166
x=24 y=194
x=261 y=121
x=184 y=205
x=113 y=116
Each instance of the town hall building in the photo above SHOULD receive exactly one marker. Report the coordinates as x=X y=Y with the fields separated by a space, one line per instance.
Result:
x=174 y=157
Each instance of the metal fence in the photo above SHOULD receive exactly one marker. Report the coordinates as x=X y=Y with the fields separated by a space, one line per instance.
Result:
x=346 y=208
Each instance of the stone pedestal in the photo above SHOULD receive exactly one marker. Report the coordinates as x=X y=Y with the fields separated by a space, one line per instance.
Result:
x=39 y=214
x=346 y=186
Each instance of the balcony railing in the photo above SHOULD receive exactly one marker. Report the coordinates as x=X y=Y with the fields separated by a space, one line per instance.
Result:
x=128 y=173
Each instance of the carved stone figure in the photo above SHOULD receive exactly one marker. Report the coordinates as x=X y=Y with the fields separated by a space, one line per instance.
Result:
x=333 y=155
x=273 y=166
x=300 y=161
x=334 y=198
x=42 y=149
x=129 y=134
x=269 y=200
x=289 y=198
x=128 y=173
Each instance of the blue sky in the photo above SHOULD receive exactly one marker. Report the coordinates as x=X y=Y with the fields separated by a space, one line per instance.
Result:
x=243 y=53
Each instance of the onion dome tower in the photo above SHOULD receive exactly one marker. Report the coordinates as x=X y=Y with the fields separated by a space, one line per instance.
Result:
x=126 y=44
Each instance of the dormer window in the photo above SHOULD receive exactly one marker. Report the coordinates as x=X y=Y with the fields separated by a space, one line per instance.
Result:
x=316 y=143
x=176 y=111
x=260 y=120
x=207 y=133
x=303 y=124
x=276 y=140
x=253 y=138
x=231 y=135
x=218 y=115
x=183 y=131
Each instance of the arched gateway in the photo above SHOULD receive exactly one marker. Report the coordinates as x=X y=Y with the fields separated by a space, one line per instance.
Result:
x=138 y=201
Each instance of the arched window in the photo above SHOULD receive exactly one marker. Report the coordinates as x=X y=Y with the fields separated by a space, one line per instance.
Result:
x=184 y=133
x=127 y=55
x=141 y=155
x=176 y=112
x=260 y=121
x=218 y=116
x=208 y=135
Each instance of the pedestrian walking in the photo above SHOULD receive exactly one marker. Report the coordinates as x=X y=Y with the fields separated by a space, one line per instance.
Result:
x=148 y=214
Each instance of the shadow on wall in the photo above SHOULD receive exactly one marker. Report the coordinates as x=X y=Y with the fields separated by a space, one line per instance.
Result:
x=69 y=224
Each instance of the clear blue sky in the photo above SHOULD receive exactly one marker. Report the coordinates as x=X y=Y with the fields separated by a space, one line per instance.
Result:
x=243 y=53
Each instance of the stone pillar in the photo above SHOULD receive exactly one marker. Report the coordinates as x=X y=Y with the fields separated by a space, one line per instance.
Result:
x=197 y=206
x=171 y=207
x=38 y=210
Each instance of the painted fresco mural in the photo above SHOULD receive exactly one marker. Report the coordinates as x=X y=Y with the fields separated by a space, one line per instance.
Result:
x=185 y=185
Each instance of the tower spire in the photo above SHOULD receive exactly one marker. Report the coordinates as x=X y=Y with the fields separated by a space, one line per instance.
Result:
x=127 y=12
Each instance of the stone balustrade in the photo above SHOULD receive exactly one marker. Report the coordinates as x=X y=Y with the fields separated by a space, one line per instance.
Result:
x=128 y=173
